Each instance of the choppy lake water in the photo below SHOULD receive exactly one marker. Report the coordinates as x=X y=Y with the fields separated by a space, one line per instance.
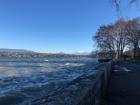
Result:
x=25 y=80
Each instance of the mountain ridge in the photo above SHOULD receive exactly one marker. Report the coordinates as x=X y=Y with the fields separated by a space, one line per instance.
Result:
x=19 y=53
x=14 y=50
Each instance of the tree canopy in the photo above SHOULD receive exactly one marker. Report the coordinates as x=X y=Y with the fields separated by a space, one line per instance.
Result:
x=115 y=38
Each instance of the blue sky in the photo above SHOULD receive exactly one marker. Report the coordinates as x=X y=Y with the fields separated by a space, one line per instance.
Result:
x=55 y=25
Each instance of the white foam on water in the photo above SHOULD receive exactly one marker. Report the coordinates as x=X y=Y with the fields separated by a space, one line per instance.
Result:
x=125 y=69
x=74 y=64
x=46 y=60
x=116 y=70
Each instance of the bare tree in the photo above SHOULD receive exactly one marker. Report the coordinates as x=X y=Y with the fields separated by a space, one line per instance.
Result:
x=104 y=39
x=112 y=38
x=116 y=4
x=120 y=36
x=133 y=35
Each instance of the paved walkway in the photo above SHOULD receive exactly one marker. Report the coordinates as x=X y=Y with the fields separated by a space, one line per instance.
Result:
x=124 y=85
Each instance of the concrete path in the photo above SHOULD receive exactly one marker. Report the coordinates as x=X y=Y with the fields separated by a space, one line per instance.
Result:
x=124 y=85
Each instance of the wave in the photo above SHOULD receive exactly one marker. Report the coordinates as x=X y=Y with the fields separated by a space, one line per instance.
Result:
x=46 y=60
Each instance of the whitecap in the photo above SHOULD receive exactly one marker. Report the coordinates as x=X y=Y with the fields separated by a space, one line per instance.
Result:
x=46 y=60
x=67 y=64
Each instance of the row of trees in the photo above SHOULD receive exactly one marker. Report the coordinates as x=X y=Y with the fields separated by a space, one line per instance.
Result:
x=114 y=39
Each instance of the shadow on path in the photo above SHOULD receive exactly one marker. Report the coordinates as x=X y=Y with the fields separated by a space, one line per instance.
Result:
x=124 y=85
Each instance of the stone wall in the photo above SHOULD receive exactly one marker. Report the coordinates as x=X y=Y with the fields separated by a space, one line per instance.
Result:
x=85 y=90
x=95 y=93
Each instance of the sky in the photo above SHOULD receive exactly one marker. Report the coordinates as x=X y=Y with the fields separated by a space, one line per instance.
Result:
x=56 y=25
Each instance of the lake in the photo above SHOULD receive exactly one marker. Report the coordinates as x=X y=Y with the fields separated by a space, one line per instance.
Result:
x=23 y=80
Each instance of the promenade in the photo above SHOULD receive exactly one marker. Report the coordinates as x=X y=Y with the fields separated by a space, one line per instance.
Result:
x=124 y=85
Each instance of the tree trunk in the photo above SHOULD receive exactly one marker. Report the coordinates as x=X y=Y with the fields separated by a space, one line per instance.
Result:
x=136 y=50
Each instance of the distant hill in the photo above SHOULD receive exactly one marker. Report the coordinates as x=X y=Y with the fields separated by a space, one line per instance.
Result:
x=81 y=53
x=21 y=53
x=14 y=50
